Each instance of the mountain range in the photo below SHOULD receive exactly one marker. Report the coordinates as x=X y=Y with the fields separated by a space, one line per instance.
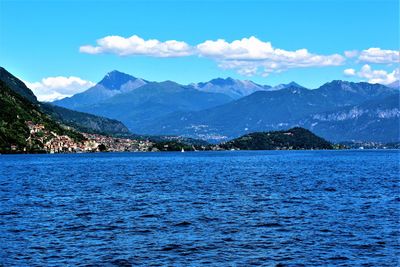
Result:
x=222 y=109
x=294 y=106
x=120 y=97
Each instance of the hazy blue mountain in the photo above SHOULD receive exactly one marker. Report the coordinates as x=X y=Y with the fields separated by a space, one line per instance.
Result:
x=206 y=110
x=238 y=88
x=269 y=110
x=259 y=111
x=231 y=87
x=343 y=93
x=373 y=120
x=112 y=84
x=154 y=100
x=283 y=86
x=395 y=84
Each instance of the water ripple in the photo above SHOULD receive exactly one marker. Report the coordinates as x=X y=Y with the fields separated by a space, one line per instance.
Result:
x=266 y=208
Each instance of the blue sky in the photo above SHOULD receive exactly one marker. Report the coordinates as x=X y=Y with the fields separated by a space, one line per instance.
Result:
x=42 y=39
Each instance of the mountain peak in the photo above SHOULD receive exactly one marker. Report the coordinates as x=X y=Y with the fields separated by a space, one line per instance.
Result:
x=294 y=84
x=115 y=79
x=116 y=72
x=360 y=88
x=223 y=82
x=337 y=84
x=284 y=86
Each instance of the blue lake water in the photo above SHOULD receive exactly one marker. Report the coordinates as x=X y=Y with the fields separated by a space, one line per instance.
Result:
x=269 y=208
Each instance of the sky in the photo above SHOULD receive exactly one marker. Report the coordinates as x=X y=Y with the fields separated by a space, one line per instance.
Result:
x=60 y=48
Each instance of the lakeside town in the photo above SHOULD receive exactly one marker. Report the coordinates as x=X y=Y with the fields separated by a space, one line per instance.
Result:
x=51 y=142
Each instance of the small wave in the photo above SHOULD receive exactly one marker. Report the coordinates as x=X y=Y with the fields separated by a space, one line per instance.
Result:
x=184 y=223
x=170 y=247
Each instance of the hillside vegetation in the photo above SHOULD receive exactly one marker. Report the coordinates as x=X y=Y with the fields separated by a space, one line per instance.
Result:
x=295 y=138
x=15 y=112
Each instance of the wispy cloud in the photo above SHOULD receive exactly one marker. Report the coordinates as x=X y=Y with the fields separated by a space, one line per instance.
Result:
x=374 y=76
x=53 y=88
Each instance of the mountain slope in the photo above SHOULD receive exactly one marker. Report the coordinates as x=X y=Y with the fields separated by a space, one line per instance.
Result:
x=237 y=88
x=142 y=106
x=284 y=86
x=343 y=93
x=15 y=113
x=112 y=84
x=375 y=120
x=272 y=110
x=85 y=122
x=256 y=112
x=17 y=85
x=231 y=87
x=395 y=84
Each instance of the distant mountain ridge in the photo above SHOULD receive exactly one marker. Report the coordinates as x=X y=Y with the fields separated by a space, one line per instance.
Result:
x=153 y=100
x=238 y=88
x=373 y=120
x=112 y=84
x=231 y=87
x=115 y=83
x=136 y=101
x=395 y=84
x=274 y=110
x=224 y=108
x=283 y=86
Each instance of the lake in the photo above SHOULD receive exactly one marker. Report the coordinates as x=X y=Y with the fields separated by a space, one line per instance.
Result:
x=269 y=208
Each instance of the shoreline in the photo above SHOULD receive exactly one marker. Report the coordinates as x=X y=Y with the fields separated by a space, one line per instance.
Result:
x=199 y=151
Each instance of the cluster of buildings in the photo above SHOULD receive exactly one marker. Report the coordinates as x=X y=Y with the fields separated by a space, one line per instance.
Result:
x=113 y=144
x=42 y=139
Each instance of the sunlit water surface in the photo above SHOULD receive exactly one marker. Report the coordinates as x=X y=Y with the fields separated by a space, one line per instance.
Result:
x=293 y=208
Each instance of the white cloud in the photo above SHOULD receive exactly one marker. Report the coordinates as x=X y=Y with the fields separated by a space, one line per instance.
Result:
x=351 y=53
x=375 y=76
x=349 y=72
x=53 y=88
x=251 y=55
x=248 y=56
x=135 y=45
x=244 y=49
x=379 y=56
